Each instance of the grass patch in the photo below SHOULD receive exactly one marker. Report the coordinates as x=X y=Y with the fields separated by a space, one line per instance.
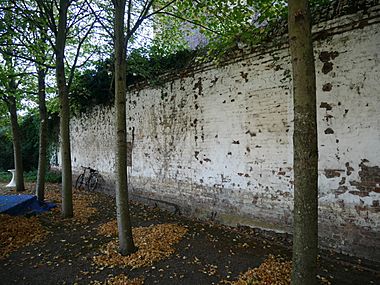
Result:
x=5 y=176
x=31 y=176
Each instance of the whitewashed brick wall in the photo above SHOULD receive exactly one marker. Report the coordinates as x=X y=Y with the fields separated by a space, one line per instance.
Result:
x=218 y=142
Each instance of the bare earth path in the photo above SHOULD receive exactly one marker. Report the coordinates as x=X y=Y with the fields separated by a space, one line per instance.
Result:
x=206 y=254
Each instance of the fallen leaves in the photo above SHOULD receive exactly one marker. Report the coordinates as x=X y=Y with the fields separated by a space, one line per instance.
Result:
x=19 y=231
x=273 y=271
x=154 y=243
x=82 y=202
x=120 y=280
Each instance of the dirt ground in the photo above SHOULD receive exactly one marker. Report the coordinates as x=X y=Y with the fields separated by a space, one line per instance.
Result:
x=207 y=253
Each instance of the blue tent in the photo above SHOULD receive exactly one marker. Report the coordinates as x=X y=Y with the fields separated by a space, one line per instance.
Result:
x=17 y=205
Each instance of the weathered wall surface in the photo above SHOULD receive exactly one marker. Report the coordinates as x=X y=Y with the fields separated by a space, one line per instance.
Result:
x=218 y=142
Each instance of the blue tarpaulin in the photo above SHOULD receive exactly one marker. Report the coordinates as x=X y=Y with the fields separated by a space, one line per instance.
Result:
x=17 y=205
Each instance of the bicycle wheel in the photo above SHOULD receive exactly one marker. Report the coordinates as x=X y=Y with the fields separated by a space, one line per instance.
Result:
x=79 y=184
x=92 y=182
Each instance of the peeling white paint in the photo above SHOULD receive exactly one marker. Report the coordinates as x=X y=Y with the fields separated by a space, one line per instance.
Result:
x=219 y=142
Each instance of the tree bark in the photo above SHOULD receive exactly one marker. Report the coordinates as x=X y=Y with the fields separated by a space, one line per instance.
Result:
x=42 y=159
x=305 y=234
x=67 y=203
x=17 y=153
x=126 y=244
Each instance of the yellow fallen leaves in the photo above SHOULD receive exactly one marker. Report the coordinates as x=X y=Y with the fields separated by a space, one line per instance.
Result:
x=273 y=271
x=120 y=280
x=19 y=231
x=82 y=202
x=154 y=243
x=109 y=229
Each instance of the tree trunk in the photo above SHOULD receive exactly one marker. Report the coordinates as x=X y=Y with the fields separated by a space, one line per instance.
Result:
x=305 y=234
x=67 y=200
x=42 y=159
x=126 y=244
x=19 y=175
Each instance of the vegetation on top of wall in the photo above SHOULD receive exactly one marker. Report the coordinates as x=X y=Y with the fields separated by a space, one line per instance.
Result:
x=94 y=86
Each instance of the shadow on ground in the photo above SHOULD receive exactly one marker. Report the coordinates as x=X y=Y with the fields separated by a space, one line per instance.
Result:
x=208 y=253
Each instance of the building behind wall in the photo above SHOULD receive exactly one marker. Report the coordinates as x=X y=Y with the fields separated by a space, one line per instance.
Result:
x=217 y=140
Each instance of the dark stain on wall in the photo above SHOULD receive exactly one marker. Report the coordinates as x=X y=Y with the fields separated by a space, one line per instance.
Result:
x=369 y=179
x=252 y=134
x=214 y=81
x=329 y=131
x=325 y=105
x=327 y=87
x=325 y=57
x=331 y=173
x=349 y=169
x=244 y=76
x=327 y=67
x=198 y=86
x=328 y=117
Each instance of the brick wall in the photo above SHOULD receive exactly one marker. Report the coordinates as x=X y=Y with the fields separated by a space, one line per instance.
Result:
x=217 y=141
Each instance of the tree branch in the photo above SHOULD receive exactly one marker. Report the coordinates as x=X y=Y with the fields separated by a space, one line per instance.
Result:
x=189 y=21
x=31 y=59
x=99 y=20
x=71 y=75
x=161 y=9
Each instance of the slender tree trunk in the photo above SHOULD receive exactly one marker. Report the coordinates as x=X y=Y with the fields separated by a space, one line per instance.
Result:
x=42 y=159
x=305 y=235
x=126 y=244
x=67 y=200
x=11 y=102
x=19 y=175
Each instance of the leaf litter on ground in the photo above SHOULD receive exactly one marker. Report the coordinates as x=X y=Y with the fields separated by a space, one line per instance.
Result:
x=82 y=205
x=154 y=243
x=19 y=231
x=120 y=280
x=272 y=271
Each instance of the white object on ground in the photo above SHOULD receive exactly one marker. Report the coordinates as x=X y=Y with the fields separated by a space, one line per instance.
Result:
x=13 y=181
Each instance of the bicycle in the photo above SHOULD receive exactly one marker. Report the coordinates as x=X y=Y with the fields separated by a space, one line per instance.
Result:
x=88 y=179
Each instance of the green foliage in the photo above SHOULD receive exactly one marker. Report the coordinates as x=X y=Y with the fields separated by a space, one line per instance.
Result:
x=226 y=25
x=148 y=65
x=6 y=149
x=53 y=177
x=29 y=129
x=5 y=176
x=31 y=176
x=92 y=87
x=95 y=86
